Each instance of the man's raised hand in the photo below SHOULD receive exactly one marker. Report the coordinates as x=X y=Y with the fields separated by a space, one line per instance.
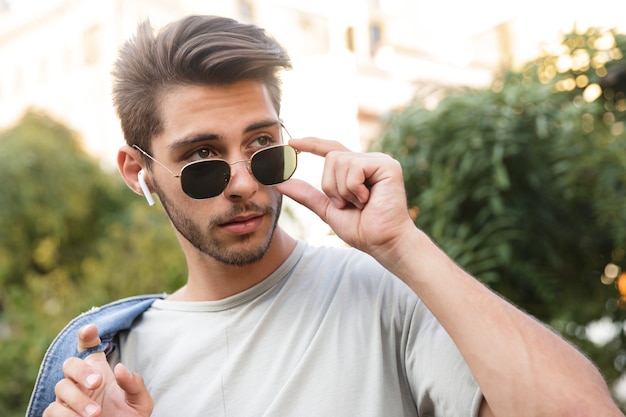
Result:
x=92 y=389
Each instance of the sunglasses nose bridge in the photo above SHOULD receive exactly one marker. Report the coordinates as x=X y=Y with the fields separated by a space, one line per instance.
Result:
x=246 y=163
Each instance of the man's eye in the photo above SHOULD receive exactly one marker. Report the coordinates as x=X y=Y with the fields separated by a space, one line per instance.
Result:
x=203 y=153
x=264 y=140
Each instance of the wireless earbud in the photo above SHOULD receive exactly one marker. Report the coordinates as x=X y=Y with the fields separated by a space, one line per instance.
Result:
x=144 y=188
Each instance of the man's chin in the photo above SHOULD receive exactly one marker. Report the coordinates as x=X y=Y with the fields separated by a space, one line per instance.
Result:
x=240 y=258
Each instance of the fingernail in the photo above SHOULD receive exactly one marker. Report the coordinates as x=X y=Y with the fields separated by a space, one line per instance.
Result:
x=91 y=380
x=91 y=409
x=358 y=204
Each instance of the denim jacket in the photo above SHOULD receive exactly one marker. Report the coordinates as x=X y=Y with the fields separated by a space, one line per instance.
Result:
x=110 y=319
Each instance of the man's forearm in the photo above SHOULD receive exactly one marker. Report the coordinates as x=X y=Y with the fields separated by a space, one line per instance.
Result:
x=522 y=367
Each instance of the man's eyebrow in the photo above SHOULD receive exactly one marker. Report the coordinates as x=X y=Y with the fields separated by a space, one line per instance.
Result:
x=261 y=124
x=191 y=139
x=197 y=138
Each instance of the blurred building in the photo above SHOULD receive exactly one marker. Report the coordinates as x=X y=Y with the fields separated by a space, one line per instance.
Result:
x=354 y=60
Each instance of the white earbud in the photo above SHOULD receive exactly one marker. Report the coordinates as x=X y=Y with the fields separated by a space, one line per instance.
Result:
x=144 y=188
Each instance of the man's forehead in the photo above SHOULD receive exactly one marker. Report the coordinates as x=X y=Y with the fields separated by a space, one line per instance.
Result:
x=217 y=110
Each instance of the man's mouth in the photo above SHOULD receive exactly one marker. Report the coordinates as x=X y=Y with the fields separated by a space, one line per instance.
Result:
x=244 y=224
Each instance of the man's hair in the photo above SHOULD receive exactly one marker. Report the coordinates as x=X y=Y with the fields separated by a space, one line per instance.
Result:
x=195 y=50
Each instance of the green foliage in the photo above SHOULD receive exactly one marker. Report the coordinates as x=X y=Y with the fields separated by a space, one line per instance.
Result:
x=524 y=183
x=71 y=237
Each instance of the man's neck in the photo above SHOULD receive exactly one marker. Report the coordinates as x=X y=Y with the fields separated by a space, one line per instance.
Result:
x=210 y=279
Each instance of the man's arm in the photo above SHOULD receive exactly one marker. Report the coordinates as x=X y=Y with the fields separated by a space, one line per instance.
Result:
x=517 y=361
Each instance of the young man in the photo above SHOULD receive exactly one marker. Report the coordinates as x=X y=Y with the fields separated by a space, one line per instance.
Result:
x=267 y=325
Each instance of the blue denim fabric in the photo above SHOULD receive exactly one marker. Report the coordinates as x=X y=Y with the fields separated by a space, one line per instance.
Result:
x=110 y=319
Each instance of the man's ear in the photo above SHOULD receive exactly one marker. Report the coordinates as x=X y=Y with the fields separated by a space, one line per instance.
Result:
x=130 y=163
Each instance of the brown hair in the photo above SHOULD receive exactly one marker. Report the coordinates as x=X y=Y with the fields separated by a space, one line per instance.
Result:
x=195 y=50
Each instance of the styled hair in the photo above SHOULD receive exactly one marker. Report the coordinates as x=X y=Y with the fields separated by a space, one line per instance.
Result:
x=195 y=50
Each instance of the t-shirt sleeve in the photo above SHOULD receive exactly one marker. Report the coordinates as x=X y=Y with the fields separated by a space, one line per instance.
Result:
x=441 y=382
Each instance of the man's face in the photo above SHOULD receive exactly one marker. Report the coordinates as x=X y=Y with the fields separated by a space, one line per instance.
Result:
x=231 y=123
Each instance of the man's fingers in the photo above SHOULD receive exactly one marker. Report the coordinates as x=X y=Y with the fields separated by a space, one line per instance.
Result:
x=88 y=337
x=346 y=174
x=304 y=193
x=58 y=409
x=137 y=395
x=317 y=146
x=67 y=392
x=82 y=373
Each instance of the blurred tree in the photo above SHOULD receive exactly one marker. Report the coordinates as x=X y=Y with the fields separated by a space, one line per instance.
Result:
x=71 y=236
x=524 y=184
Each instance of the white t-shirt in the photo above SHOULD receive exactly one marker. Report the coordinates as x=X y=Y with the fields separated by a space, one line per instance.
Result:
x=329 y=333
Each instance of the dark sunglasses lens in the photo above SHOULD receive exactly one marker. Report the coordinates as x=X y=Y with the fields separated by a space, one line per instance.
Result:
x=274 y=165
x=205 y=179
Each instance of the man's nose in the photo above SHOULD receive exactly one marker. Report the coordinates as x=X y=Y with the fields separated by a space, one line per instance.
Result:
x=242 y=184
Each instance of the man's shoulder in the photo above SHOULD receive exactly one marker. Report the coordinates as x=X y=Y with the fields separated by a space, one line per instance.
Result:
x=129 y=305
x=342 y=252
x=342 y=258
x=110 y=318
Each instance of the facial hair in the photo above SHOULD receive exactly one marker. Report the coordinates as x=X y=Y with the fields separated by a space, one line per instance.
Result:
x=234 y=255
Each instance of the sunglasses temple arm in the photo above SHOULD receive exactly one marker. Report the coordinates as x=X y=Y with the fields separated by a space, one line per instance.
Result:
x=157 y=162
x=285 y=129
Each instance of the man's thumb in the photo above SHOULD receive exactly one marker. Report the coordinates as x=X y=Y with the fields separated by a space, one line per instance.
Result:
x=307 y=195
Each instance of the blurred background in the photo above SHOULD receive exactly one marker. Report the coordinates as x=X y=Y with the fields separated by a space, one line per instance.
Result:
x=508 y=120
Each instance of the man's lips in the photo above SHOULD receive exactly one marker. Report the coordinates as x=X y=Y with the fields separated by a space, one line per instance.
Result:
x=243 y=224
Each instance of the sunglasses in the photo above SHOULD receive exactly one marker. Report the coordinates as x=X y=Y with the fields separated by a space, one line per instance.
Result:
x=209 y=178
